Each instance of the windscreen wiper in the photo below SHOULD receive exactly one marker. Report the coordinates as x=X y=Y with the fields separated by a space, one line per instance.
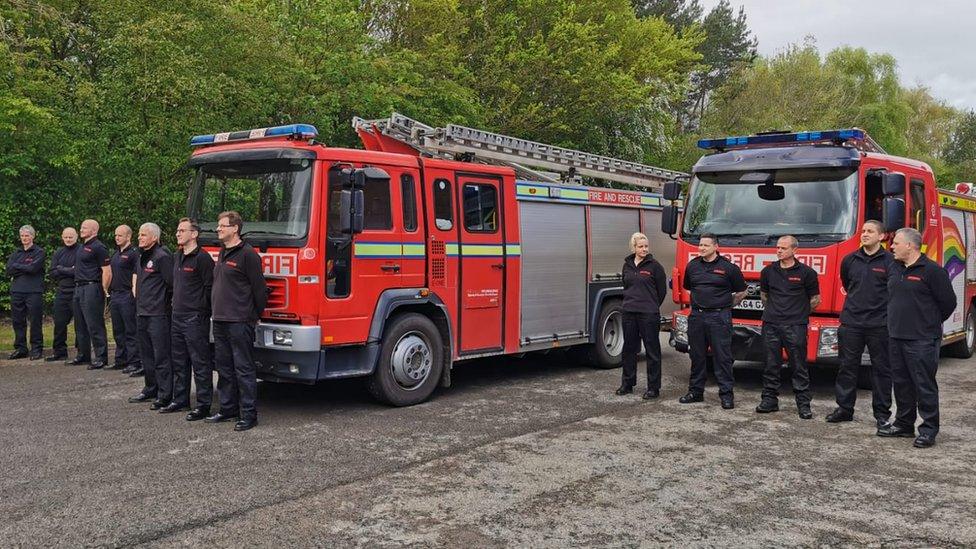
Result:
x=812 y=237
x=271 y=233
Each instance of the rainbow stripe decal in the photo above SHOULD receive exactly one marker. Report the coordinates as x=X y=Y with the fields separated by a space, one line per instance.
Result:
x=953 y=251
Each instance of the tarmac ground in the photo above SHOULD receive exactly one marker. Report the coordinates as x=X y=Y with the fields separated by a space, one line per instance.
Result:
x=536 y=451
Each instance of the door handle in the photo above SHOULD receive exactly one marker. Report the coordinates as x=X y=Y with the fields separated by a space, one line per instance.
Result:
x=394 y=268
x=498 y=266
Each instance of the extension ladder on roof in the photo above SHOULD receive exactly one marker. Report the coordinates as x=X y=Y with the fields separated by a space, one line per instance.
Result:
x=530 y=159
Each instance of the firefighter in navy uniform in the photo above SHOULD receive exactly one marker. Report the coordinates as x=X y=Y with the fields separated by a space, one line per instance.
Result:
x=26 y=267
x=920 y=299
x=91 y=282
x=62 y=272
x=789 y=291
x=716 y=285
x=154 y=284
x=863 y=322
x=122 y=304
x=239 y=297
x=645 y=286
x=192 y=284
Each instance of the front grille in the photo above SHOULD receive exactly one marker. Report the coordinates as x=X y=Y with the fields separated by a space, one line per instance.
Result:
x=277 y=293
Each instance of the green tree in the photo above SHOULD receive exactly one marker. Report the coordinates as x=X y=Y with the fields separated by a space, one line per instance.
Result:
x=960 y=151
x=680 y=14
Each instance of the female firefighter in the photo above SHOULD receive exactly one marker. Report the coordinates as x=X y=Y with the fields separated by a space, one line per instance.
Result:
x=645 y=286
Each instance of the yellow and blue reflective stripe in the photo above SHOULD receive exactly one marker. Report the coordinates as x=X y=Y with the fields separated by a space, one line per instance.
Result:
x=414 y=250
x=528 y=189
x=484 y=250
x=387 y=250
x=394 y=250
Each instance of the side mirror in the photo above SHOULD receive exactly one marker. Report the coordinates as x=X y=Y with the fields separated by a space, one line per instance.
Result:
x=893 y=184
x=669 y=220
x=893 y=213
x=351 y=211
x=672 y=190
x=771 y=192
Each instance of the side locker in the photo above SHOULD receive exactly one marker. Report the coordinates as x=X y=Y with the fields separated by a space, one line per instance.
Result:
x=553 y=283
x=610 y=230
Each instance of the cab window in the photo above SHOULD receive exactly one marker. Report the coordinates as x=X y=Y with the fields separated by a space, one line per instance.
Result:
x=916 y=212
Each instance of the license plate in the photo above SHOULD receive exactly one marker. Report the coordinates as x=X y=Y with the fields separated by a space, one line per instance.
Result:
x=750 y=305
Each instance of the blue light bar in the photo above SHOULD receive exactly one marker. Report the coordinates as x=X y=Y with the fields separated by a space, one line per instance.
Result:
x=782 y=138
x=300 y=131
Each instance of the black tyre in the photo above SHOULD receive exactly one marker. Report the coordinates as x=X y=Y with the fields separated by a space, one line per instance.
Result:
x=607 y=351
x=964 y=347
x=410 y=363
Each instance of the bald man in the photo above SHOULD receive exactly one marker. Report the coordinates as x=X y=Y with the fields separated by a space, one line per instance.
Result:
x=122 y=303
x=789 y=290
x=92 y=275
x=62 y=272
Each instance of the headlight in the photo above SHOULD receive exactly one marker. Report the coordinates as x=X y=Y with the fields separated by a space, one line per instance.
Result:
x=828 y=342
x=281 y=337
x=681 y=328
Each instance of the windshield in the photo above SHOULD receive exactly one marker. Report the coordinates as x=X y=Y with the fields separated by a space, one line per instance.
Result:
x=271 y=195
x=818 y=204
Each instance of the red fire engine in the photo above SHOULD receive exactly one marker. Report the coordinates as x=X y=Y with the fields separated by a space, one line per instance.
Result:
x=433 y=246
x=819 y=187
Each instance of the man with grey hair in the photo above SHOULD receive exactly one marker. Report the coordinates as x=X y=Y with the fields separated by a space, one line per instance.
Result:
x=62 y=272
x=91 y=281
x=789 y=291
x=153 y=288
x=920 y=299
x=26 y=268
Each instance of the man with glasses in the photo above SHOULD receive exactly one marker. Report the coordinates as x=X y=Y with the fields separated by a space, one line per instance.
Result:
x=192 y=283
x=239 y=297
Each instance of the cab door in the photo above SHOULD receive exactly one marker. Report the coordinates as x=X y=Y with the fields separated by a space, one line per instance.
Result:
x=482 y=259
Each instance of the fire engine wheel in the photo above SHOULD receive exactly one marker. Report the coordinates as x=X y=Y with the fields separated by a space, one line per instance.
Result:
x=410 y=363
x=608 y=349
x=964 y=347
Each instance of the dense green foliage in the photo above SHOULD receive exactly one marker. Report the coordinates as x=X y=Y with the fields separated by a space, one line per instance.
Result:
x=98 y=99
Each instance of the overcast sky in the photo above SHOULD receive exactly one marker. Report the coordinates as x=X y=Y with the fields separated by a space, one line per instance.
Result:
x=934 y=42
